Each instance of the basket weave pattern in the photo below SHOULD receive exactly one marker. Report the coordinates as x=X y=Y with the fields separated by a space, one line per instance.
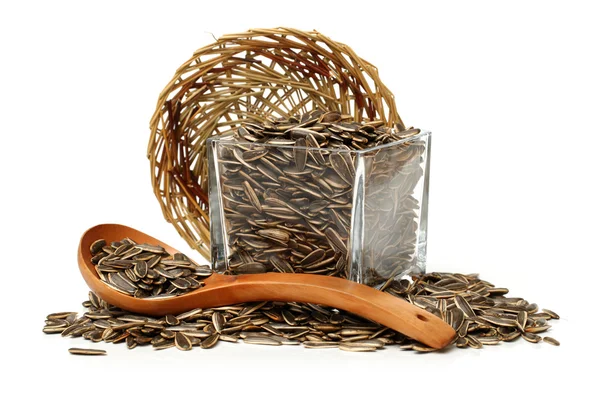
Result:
x=260 y=74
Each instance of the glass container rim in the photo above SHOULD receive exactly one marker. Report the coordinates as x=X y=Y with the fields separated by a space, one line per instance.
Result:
x=421 y=134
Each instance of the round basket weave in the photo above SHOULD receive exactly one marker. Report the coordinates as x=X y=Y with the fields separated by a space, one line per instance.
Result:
x=258 y=74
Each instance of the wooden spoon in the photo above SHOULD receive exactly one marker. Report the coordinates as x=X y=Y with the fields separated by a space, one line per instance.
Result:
x=222 y=290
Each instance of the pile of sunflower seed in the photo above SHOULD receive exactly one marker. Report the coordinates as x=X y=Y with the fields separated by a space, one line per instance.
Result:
x=287 y=191
x=144 y=270
x=480 y=313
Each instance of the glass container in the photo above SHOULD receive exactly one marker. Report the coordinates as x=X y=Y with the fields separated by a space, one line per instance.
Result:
x=355 y=214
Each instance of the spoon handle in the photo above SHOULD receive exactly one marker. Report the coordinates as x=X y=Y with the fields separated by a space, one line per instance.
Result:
x=383 y=308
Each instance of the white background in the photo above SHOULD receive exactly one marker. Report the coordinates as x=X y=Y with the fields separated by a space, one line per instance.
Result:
x=509 y=89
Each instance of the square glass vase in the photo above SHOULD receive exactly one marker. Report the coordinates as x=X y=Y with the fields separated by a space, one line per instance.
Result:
x=355 y=214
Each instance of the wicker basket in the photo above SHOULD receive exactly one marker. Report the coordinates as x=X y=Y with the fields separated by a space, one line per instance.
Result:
x=263 y=72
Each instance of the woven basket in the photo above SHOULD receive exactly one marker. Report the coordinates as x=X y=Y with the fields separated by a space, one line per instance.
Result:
x=264 y=72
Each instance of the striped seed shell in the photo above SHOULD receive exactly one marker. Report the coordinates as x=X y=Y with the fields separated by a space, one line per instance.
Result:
x=140 y=268
x=210 y=341
x=261 y=341
x=552 y=314
x=87 y=352
x=300 y=153
x=551 y=341
x=218 y=321
x=463 y=305
x=182 y=342
x=533 y=338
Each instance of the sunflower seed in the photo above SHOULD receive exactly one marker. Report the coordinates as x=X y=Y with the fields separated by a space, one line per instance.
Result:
x=551 y=341
x=281 y=264
x=165 y=344
x=87 y=352
x=551 y=313
x=474 y=342
x=537 y=329
x=59 y=315
x=53 y=329
x=489 y=340
x=141 y=268
x=210 y=341
x=218 y=321
x=422 y=348
x=155 y=249
x=181 y=283
x=335 y=239
x=521 y=320
x=533 y=338
x=375 y=343
x=182 y=342
x=352 y=348
x=289 y=317
x=251 y=268
x=97 y=246
x=252 y=197
x=168 y=334
x=319 y=344
x=261 y=341
x=300 y=153
x=228 y=338
x=463 y=305
x=189 y=314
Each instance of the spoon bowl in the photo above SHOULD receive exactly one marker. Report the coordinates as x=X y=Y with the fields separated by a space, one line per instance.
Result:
x=222 y=290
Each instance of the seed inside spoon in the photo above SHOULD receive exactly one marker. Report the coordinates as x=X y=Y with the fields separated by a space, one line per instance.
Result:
x=145 y=270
